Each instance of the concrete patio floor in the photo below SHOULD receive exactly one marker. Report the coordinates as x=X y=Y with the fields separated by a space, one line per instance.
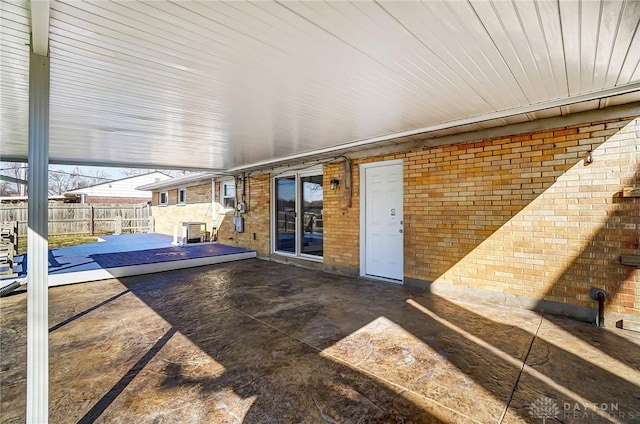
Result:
x=258 y=342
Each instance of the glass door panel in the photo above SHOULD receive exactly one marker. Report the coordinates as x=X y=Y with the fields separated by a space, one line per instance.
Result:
x=286 y=214
x=311 y=222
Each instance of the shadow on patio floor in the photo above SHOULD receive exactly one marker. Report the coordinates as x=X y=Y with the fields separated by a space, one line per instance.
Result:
x=258 y=342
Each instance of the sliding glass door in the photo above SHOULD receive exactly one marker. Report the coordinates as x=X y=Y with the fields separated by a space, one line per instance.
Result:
x=286 y=214
x=298 y=219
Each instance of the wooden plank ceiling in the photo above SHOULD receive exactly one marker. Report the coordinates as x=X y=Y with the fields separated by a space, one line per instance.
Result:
x=222 y=85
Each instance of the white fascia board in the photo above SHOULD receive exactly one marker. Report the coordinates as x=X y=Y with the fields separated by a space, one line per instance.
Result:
x=178 y=182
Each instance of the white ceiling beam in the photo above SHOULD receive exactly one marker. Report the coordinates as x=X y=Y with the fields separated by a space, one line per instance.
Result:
x=40 y=26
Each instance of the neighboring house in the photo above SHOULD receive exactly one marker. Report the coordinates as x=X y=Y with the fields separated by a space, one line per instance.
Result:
x=208 y=198
x=118 y=191
x=532 y=215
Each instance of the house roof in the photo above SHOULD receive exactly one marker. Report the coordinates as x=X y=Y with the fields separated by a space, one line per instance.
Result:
x=125 y=187
x=183 y=181
x=230 y=85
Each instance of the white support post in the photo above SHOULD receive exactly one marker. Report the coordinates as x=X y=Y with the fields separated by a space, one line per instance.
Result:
x=38 y=243
x=185 y=234
x=175 y=236
x=214 y=210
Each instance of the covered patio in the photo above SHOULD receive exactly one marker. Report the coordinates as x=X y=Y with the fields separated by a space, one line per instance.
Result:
x=258 y=342
x=246 y=88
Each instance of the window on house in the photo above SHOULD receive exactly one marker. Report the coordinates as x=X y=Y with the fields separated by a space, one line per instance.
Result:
x=228 y=195
x=164 y=198
x=182 y=196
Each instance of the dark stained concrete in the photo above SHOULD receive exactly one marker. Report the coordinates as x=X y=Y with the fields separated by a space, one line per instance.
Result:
x=259 y=342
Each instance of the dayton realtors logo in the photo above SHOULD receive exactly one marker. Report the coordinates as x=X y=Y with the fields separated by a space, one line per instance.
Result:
x=544 y=408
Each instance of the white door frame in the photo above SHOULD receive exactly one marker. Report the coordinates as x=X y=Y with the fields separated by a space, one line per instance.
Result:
x=363 y=229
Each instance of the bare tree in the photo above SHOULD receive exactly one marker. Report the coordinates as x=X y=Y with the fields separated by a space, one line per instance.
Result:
x=17 y=170
x=132 y=172
x=94 y=177
x=61 y=181
x=7 y=189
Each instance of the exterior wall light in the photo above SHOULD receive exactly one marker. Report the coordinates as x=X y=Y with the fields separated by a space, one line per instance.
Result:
x=589 y=158
x=333 y=184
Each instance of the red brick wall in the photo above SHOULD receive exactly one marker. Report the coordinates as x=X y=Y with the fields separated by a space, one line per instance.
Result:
x=520 y=215
x=116 y=200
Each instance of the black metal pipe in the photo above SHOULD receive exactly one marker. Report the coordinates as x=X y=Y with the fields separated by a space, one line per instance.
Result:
x=601 y=298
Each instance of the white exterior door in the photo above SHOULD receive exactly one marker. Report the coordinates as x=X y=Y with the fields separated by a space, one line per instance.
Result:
x=382 y=220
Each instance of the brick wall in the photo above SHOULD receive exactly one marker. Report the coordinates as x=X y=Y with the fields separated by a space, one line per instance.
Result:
x=115 y=200
x=525 y=216
x=256 y=220
x=521 y=216
x=341 y=223
x=197 y=209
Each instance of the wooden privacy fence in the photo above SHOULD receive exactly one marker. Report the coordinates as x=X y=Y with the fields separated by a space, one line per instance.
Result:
x=74 y=218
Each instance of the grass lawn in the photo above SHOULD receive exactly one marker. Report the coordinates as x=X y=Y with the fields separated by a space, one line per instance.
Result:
x=59 y=241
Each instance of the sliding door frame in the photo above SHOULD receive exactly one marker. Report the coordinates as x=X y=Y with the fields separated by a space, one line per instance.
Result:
x=299 y=213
